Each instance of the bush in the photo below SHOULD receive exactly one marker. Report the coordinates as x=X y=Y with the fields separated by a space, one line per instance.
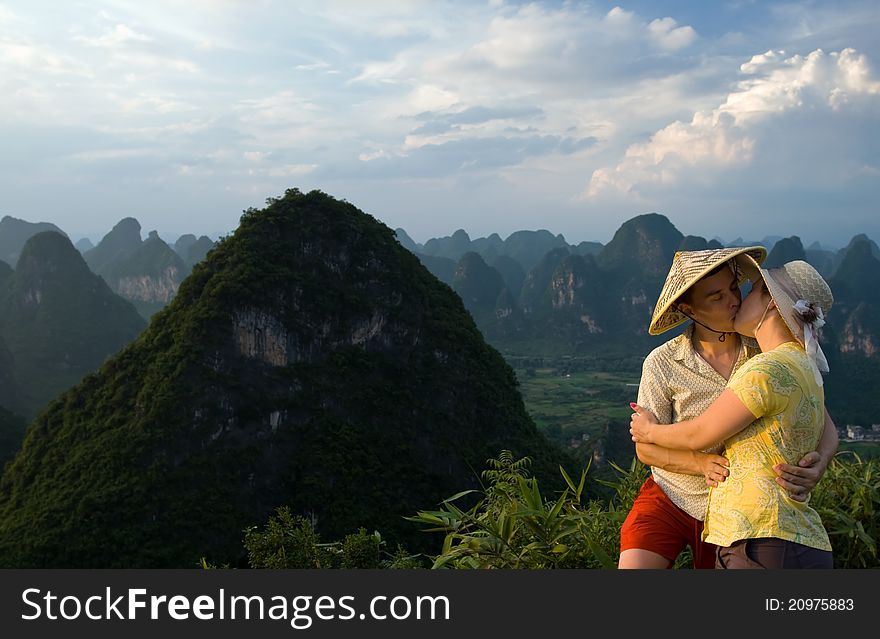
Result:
x=513 y=526
x=848 y=500
x=290 y=541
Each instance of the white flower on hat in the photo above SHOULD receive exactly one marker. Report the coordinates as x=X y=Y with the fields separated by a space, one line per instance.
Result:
x=813 y=319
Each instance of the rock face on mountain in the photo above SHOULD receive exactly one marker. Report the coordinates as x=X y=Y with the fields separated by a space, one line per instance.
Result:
x=59 y=320
x=855 y=317
x=146 y=273
x=148 y=276
x=310 y=361
x=14 y=233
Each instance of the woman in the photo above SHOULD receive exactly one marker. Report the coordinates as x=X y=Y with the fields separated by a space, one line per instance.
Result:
x=771 y=412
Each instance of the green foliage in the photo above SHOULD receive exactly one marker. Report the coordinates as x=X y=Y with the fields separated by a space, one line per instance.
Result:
x=514 y=526
x=848 y=500
x=290 y=541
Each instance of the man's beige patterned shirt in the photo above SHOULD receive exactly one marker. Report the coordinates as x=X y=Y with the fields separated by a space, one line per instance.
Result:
x=677 y=384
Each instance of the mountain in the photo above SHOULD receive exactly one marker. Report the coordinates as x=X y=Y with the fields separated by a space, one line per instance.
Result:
x=452 y=247
x=535 y=294
x=857 y=276
x=442 y=268
x=5 y=272
x=406 y=241
x=512 y=273
x=8 y=385
x=12 y=428
x=148 y=276
x=14 y=233
x=59 y=320
x=697 y=243
x=643 y=246
x=785 y=250
x=488 y=248
x=858 y=239
x=309 y=361
x=478 y=285
x=588 y=248
x=198 y=251
x=83 y=245
x=118 y=244
x=821 y=259
x=183 y=244
x=529 y=247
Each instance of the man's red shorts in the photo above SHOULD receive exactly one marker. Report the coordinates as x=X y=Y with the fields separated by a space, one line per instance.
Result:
x=658 y=525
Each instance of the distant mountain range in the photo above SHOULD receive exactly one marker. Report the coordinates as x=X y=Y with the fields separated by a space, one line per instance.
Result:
x=145 y=272
x=598 y=303
x=58 y=321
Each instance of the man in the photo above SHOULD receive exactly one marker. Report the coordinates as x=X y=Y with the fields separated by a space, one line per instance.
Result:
x=680 y=379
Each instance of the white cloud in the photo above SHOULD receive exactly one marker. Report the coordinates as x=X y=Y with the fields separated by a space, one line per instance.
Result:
x=119 y=35
x=819 y=83
x=668 y=35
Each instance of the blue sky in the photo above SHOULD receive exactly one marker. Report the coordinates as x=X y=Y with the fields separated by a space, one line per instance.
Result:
x=730 y=118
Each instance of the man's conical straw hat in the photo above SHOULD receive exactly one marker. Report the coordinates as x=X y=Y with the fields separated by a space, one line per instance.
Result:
x=687 y=268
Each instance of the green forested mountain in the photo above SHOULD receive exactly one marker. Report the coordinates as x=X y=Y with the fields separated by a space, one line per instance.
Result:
x=511 y=272
x=787 y=249
x=478 y=285
x=147 y=276
x=443 y=268
x=526 y=248
x=59 y=320
x=14 y=233
x=198 y=251
x=118 y=244
x=8 y=385
x=193 y=250
x=535 y=292
x=183 y=244
x=310 y=361
x=12 y=429
x=5 y=272
x=146 y=273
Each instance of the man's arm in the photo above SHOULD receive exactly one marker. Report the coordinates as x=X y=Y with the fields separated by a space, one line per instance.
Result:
x=800 y=480
x=687 y=462
x=654 y=394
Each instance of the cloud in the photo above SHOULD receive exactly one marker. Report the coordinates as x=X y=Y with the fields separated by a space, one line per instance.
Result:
x=774 y=86
x=668 y=35
x=470 y=155
x=442 y=122
x=119 y=35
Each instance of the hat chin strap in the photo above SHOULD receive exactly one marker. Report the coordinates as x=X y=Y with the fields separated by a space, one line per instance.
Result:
x=722 y=335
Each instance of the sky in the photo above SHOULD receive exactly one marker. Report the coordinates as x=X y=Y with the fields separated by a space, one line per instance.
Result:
x=732 y=119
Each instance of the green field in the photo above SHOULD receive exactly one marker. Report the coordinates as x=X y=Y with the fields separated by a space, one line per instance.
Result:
x=576 y=409
x=865 y=450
